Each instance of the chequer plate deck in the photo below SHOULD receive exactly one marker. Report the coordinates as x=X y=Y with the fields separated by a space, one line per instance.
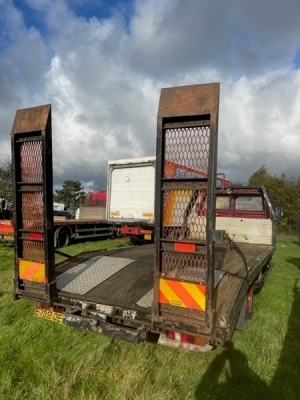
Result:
x=85 y=276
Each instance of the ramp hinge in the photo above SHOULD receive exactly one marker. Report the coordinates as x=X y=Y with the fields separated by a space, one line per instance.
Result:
x=218 y=236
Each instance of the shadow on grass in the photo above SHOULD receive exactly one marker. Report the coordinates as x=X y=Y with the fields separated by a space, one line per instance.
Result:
x=230 y=377
x=238 y=380
x=286 y=378
x=295 y=261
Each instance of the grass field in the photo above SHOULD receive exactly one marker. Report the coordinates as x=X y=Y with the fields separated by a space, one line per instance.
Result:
x=43 y=360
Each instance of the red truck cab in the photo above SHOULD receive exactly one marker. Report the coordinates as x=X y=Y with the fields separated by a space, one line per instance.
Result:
x=245 y=213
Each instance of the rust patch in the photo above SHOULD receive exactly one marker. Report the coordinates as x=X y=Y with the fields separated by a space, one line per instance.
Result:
x=189 y=100
x=31 y=119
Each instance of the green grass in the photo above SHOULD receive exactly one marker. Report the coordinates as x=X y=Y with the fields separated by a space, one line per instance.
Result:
x=43 y=360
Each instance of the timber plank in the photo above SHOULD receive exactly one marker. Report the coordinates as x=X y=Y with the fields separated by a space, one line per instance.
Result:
x=132 y=282
x=126 y=286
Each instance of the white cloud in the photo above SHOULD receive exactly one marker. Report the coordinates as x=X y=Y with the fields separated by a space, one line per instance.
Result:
x=260 y=123
x=103 y=79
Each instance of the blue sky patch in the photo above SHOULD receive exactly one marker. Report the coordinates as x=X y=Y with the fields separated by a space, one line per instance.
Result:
x=32 y=17
x=102 y=9
x=297 y=59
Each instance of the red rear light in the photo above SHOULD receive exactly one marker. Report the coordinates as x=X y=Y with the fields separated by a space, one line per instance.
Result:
x=46 y=306
x=170 y=335
x=57 y=309
x=185 y=338
x=34 y=235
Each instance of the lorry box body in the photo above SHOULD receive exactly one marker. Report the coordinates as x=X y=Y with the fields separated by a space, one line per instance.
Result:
x=131 y=190
x=213 y=246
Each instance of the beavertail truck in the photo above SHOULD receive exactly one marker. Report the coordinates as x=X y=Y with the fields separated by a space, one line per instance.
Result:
x=193 y=286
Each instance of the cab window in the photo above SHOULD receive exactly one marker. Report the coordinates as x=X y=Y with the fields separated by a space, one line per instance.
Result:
x=249 y=203
x=222 y=202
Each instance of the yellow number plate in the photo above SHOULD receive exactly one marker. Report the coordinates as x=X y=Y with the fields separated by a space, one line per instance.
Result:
x=147 y=236
x=49 y=315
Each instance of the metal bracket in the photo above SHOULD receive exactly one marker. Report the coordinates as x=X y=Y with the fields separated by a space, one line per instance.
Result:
x=218 y=236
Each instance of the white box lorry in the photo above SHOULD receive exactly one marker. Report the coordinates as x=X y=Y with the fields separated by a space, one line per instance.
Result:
x=130 y=194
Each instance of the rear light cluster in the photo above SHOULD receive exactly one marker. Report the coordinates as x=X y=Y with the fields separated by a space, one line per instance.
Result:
x=185 y=338
x=35 y=235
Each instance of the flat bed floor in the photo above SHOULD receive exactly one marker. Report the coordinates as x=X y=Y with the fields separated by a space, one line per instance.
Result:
x=228 y=260
x=127 y=286
x=124 y=277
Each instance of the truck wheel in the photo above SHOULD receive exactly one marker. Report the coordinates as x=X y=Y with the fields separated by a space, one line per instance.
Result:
x=63 y=238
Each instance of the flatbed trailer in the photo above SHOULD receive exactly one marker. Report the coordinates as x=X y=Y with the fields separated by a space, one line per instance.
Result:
x=69 y=230
x=66 y=230
x=194 y=286
x=119 y=283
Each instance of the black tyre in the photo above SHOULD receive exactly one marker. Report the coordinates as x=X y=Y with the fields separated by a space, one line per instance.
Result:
x=63 y=238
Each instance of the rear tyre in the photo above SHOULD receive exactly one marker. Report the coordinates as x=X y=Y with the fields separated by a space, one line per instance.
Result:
x=63 y=238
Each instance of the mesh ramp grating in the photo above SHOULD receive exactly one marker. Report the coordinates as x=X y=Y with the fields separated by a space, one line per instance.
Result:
x=86 y=275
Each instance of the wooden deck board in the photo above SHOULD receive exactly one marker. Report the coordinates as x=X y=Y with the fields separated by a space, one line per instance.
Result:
x=132 y=282
x=126 y=286
x=231 y=262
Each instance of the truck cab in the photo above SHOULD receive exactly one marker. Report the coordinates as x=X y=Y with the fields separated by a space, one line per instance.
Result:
x=245 y=213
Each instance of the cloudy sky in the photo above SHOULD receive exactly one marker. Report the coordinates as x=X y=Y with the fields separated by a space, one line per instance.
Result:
x=102 y=63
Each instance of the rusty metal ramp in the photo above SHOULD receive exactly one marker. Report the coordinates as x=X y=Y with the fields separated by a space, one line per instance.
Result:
x=186 y=176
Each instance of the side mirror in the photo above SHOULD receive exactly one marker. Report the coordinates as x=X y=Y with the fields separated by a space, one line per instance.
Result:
x=279 y=212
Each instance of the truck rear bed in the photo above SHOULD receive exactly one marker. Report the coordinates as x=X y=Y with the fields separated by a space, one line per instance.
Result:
x=117 y=277
x=228 y=260
x=124 y=277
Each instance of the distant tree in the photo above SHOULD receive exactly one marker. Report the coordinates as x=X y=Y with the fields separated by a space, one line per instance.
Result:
x=259 y=177
x=237 y=183
x=284 y=193
x=6 y=187
x=70 y=195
